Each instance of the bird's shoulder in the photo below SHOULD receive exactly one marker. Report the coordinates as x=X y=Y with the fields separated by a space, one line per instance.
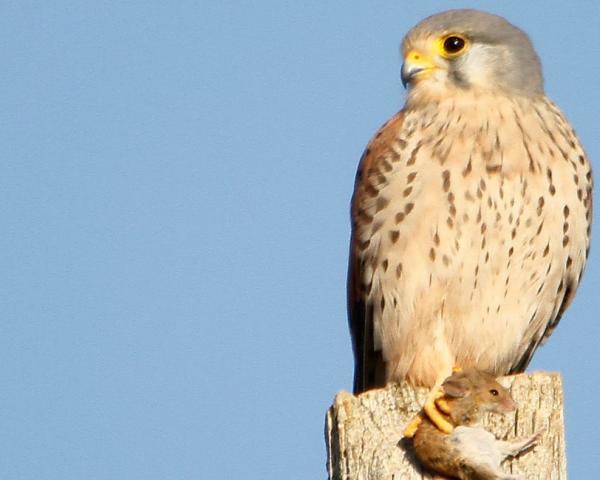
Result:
x=377 y=160
x=383 y=144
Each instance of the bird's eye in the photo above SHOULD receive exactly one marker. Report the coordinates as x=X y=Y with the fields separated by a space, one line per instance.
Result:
x=494 y=392
x=453 y=45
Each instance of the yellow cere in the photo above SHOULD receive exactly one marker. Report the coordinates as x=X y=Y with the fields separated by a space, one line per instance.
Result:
x=415 y=57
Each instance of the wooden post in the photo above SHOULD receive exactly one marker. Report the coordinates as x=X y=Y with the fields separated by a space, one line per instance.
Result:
x=364 y=432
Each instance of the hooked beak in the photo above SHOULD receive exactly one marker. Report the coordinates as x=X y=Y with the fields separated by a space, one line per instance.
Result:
x=416 y=65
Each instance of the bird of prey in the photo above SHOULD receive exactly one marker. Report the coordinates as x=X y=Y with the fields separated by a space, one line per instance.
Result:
x=471 y=211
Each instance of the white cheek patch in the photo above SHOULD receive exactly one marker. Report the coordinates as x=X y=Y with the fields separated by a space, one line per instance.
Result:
x=480 y=64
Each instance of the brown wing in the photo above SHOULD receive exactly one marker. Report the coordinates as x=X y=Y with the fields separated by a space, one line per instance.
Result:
x=571 y=282
x=369 y=366
x=523 y=361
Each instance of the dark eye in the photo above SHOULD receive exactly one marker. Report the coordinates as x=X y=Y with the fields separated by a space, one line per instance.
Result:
x=454 y=44
x=494 y=392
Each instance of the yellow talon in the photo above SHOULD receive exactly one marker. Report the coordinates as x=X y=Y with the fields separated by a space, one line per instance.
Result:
x=442 y=406
x=411 y=428
x=436 y=408
x=433 y=406
x=436 y=417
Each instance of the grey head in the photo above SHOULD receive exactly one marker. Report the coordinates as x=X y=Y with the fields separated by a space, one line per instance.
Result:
x=470 y=49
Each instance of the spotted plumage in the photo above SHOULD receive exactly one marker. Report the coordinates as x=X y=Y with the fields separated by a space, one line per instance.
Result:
x=470 y=216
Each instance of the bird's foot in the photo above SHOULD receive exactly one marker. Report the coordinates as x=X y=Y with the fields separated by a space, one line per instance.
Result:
x=411 y=428
x=442 y=406
x=435 y=408
x=441 y=403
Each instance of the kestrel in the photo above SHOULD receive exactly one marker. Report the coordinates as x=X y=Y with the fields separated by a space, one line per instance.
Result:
x=471 y=211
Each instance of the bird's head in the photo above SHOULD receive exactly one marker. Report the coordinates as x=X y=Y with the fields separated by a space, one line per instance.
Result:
x=469 y=50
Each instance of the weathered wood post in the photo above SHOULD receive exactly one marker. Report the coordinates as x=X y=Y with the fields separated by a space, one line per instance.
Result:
x=364 y=432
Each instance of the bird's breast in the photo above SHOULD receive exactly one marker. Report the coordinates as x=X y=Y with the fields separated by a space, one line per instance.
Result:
x=468 y=226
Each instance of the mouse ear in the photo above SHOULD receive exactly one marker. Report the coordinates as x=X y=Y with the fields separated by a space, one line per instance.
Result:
x=456 y=386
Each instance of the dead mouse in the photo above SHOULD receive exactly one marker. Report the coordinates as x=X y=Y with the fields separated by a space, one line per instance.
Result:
x=469 y=452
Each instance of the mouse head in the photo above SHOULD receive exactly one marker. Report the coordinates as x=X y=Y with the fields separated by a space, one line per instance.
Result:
x=472 y=392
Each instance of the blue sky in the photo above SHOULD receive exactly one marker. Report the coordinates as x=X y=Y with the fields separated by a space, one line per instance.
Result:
x=175 y=187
